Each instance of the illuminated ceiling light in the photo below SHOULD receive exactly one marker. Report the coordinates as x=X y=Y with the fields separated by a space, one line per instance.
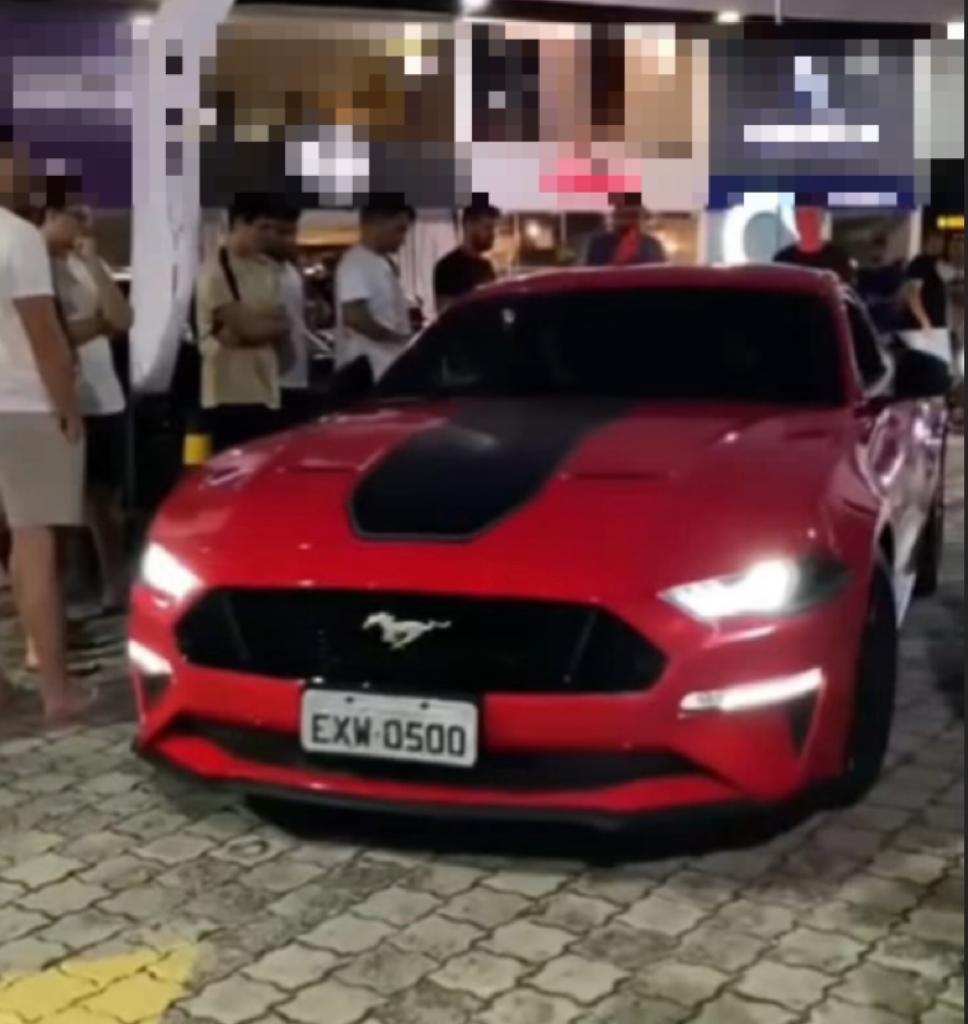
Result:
x=956 y=30
x=473 y=6
x=729 y=17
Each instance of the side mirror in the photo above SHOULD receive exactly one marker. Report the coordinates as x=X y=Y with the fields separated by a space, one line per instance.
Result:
x=919 y=375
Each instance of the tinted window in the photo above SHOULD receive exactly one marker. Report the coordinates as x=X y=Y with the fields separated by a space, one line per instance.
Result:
x=714 y=345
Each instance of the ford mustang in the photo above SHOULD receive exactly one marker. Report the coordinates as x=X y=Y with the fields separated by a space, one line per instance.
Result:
x=601 y=544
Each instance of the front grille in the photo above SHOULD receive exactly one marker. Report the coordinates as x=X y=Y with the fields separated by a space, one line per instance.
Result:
x=544 y=772
x=477 y=645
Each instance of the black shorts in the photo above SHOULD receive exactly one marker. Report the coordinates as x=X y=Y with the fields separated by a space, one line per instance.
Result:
x=106 y=438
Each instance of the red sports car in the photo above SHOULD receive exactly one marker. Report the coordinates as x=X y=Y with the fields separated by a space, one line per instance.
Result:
x=600 y=544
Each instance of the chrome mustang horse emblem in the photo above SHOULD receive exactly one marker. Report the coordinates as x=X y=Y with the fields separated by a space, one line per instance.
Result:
x=398 y=633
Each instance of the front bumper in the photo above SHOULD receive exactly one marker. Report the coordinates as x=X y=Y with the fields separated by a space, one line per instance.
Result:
x=224 y=727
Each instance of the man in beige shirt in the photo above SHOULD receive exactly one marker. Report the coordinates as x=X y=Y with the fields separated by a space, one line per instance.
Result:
x=242 y=327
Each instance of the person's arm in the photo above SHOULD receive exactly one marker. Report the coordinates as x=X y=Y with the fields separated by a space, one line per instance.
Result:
x=52 y=354
x=112 y=305
x=357 y=316
x=80 y=332
x=32 y=295
x=911 y=295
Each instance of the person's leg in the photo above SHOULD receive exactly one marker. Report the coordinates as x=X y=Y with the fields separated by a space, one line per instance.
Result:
x=103 y=517
x=38 y=596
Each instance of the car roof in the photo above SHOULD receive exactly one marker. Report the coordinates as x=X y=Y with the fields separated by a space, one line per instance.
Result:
x=753 y=277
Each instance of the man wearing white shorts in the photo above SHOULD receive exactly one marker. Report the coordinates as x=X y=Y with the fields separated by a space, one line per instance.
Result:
x=41 y=442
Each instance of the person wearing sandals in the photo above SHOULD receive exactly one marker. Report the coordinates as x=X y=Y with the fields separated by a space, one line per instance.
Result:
x=95 y=312
x=41 y=442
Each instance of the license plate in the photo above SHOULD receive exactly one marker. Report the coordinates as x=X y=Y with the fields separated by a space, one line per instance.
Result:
x=395 y=728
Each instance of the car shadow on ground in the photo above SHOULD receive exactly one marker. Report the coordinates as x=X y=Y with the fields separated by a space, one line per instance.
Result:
x=534 y=839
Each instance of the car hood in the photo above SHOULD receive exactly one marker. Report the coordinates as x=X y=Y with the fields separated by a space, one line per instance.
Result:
x=491 y=493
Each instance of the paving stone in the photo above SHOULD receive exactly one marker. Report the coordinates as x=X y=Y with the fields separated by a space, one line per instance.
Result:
x=28 y=955
x=174 y=849
x=96 y=847
x=666 y=916
x=387 y=969
x=324 y=855
x=855 y=843
x=348 y=934
x=573 y=913
x=955 y=992
x=313 y=903
x=754 y=919
x=697 y=889
x=281 y=875
x=934 y=960
x=526 y=883
x=625 y=947
x=144 y=902
x=528 y=941
x=122 y=871
x=199 y=877
x=628 y=1006
x=151 y=824
x=293 y=967
x=249 y=850
x=937 y=926
x=835 y=1012
x=234 y=1000
x=578 y=978
x=919 y=868
x=445 y=880
x=479 y=973
x=85 y=928
x=41 y=870
x=15 y=922
x=864 y=923
x=221 y=826
x=886 y=894
x=37 y=997
x=897 y=991
x=428 y=1003
x=397 y=906
x=941 y=1014
x=340 y=1003
x=230 y=904
x=685 y=983
x=711 y=946
x=9 y=892
x=438 y=937
x=63 y=897
x=485 y=908
x=527 y=1007
x=795 y=987
x=740 y=865
x=805 y=947
x=732 y=1009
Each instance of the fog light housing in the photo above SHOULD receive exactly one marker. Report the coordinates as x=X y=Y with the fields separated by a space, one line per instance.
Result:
x=153 y=671
x=752 y=696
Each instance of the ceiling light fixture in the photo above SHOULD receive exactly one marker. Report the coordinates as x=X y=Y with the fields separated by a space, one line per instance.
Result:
x=956 y=30
x=729 y=17
x=473 y=6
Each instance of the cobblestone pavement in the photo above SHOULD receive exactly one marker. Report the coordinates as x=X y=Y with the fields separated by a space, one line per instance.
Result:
x=127 y=897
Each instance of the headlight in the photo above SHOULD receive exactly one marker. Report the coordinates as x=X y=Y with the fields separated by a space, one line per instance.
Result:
x=161 y=571
x=776 y=586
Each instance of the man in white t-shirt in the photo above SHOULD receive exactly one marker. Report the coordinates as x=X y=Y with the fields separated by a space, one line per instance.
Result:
x=41 y=441
x=372 y=316
x=298 y=401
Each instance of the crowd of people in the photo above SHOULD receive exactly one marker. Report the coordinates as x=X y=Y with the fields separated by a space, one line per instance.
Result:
x=62 y=406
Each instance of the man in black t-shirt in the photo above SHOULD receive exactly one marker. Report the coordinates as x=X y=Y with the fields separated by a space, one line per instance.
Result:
x=812 y=251
x=464 y=269
x=925 y=292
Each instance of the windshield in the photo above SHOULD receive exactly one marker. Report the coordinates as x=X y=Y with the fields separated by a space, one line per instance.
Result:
x=663 y=344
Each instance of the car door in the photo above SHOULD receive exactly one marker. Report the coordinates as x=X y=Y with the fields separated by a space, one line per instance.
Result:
x=893 y=456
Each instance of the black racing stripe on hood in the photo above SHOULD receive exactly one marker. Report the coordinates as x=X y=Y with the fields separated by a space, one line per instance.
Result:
x=454 y=481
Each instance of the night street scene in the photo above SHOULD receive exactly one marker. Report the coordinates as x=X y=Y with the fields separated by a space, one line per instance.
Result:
x=482 y=512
